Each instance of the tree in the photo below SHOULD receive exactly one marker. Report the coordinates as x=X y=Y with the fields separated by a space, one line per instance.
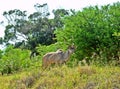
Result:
x=29 y=31
x=92 y=30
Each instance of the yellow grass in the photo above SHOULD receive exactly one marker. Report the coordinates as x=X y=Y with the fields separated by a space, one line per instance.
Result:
x=63 y=77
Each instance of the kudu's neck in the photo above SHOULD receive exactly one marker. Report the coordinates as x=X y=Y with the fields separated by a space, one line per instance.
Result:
x=67 y=54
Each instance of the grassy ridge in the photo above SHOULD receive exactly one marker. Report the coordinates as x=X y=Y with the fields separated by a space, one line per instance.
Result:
x=86 y=77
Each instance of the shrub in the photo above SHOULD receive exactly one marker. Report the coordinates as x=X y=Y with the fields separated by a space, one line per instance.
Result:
x=92 y=30
x=14 y=60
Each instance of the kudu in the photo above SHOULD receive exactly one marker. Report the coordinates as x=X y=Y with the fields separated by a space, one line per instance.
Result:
x=57 y=57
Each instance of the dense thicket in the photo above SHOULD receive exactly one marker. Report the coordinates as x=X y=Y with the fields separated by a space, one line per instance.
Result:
x=93 y=30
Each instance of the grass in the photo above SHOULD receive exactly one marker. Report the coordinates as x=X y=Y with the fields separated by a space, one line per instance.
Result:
x=64 y=77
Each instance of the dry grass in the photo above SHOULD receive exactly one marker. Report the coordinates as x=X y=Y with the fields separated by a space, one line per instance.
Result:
x=79 y=77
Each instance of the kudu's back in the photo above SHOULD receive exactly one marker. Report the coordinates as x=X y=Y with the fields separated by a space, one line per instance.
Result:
x=57 y=57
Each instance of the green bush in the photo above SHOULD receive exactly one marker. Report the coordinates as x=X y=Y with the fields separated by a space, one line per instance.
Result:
x=14 y=60
x=92 y=31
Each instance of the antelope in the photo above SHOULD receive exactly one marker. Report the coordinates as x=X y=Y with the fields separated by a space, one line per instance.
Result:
x=58 y=57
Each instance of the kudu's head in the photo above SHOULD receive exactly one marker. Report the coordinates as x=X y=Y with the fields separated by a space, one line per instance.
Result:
x=71 y=48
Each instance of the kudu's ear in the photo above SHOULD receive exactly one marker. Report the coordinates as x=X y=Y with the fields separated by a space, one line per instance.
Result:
x=72 y=46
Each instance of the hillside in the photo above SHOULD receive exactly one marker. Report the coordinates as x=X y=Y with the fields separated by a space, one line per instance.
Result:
x=79 y=77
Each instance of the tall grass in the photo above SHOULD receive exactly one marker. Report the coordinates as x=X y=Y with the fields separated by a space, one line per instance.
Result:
x=64 y=77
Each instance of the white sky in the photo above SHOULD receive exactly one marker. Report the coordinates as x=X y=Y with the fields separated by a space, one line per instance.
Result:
x=28 y=5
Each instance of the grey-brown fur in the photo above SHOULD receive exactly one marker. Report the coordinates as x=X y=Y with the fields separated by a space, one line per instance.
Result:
x=57 y=57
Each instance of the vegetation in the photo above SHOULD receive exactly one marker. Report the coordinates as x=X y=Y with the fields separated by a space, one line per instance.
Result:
x=27 y=31
x=95 y=31
x=64 y=78
x=92 y=30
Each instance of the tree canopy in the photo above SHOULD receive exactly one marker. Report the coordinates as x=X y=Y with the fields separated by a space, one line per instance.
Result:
x=29 y=31
x=93 y=29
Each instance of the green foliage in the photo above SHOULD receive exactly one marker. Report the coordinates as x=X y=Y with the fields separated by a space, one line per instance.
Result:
x=14 y=60
x=92 y=30
x=34 y=29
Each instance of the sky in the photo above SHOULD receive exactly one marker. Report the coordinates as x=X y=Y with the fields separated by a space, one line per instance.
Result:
x=28 y=5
